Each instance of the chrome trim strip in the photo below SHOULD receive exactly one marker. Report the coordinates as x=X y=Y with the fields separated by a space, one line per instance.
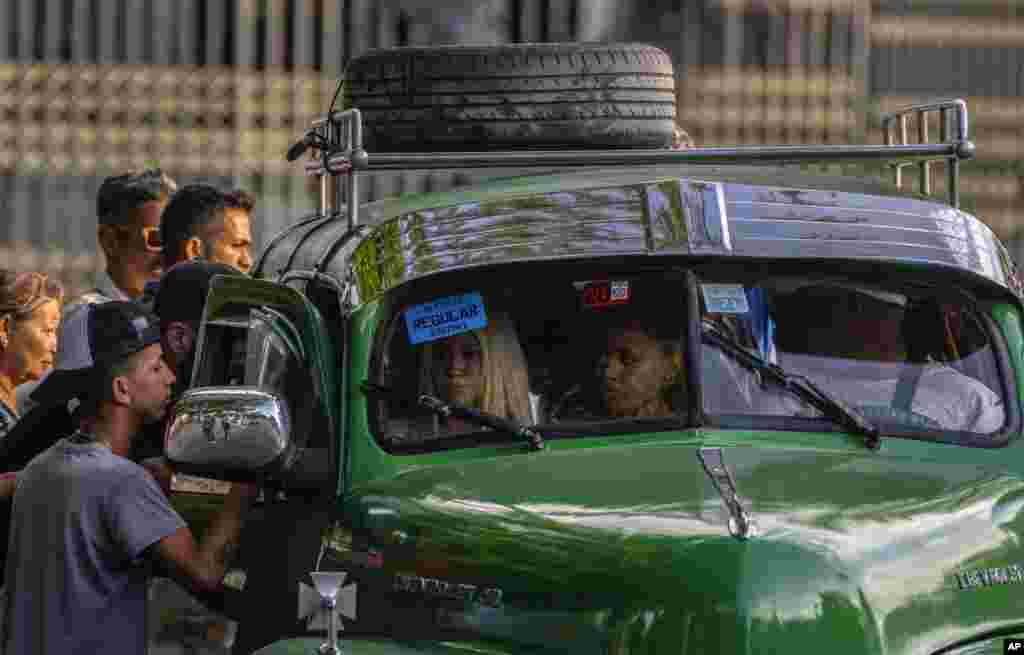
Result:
x=792 y=221
x=873 y=210
x=723 y=215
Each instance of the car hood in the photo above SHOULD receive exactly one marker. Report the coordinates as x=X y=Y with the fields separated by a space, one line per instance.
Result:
x=626 y=548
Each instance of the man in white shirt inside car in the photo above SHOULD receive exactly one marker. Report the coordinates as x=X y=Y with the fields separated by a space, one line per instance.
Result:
x=853 y=341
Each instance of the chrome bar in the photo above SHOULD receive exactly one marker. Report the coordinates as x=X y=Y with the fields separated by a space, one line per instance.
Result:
x=339 y=195
x=925 y=183
x=964 y=148
x=349 y=125
x=887 y=134
x=322 y=202
x=353 y=121
x=903 y=142
x=343 y=135
x=959 y=106
x=342 y=163
x=351 y=210
x=952 y=164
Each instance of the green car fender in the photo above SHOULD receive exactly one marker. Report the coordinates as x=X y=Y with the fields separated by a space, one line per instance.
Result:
x=311 y=646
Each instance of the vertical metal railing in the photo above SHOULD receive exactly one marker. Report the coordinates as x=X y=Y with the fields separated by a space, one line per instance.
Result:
x=895 y=128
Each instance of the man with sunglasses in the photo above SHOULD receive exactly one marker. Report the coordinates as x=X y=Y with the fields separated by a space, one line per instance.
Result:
x=128 y=209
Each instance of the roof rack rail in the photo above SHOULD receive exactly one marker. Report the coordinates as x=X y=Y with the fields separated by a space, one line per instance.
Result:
x=339 y=139
x=894 y=124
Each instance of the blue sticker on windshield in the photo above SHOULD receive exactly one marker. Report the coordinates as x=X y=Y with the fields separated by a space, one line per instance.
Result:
x=445 y=317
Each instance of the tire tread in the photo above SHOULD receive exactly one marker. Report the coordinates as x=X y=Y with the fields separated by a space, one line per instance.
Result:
x=547 y=95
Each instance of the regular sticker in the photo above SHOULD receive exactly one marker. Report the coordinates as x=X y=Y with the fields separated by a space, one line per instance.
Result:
x=725 y=298
x=445 y=317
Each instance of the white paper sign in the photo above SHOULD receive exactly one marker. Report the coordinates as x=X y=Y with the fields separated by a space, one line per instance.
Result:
x=725 y=298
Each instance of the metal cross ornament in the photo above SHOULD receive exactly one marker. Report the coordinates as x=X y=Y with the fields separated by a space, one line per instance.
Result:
x=324 y=605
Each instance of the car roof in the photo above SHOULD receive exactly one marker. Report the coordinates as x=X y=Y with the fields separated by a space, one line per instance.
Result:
x=728 y=211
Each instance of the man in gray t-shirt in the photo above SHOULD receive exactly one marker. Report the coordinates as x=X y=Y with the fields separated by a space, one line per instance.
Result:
x=106 y=511
x=86 y=521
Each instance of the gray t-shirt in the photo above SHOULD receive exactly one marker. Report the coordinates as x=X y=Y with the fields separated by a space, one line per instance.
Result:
x=76 y=575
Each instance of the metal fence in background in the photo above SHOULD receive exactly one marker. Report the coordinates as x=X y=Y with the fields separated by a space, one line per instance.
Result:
x=216 y=89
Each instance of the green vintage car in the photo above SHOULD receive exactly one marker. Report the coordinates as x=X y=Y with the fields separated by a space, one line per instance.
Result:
x=625 y=398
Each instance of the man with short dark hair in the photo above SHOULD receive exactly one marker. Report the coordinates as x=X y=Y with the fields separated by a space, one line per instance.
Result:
x=178 y=304
x=201 y=221
x=128 y=208
x=233 y=244
x=106 y=518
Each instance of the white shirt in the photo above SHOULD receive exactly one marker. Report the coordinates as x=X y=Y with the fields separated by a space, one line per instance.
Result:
x=944 y=395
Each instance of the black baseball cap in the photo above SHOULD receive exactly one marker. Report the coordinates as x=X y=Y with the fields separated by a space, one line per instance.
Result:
x=184 y=287
x=93 y=338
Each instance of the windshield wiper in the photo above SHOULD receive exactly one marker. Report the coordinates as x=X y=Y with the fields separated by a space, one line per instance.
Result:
x=833 y=407
x=475 y=416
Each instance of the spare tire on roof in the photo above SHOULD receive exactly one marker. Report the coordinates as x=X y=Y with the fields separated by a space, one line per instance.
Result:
x=556 y=95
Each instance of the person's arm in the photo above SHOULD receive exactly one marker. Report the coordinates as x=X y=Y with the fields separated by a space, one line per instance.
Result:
x=201 y=567
x=8 y=483
x=161 y=470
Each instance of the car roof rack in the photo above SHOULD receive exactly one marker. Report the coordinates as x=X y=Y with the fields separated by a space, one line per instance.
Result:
x=338 y=138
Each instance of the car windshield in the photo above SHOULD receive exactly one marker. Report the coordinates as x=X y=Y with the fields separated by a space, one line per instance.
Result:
x=907 y=358
x=577 y=350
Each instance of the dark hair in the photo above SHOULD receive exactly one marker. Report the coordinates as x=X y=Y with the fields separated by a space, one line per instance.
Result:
x=183 y=290
x=668 y=334
x=239 y=199
x=119 y=194
x=649 y=311
x=192 y=209
x=102 y=390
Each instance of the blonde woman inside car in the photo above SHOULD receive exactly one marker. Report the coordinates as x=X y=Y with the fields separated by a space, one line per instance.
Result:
x=483 y=369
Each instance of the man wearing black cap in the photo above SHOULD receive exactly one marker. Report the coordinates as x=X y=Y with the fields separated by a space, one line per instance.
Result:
x=106 y=518
x=179 y=303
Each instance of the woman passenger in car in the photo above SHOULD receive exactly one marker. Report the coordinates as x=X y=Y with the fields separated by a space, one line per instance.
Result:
x=483 y=369
x=642 y=369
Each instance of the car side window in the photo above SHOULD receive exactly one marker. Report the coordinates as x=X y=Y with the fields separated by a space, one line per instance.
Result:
x=252 y=350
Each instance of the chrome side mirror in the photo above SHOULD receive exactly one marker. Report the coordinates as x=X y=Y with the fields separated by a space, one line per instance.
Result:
x=218 y=430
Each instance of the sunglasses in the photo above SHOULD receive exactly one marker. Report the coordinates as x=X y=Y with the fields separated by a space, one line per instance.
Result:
x=150 y=236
